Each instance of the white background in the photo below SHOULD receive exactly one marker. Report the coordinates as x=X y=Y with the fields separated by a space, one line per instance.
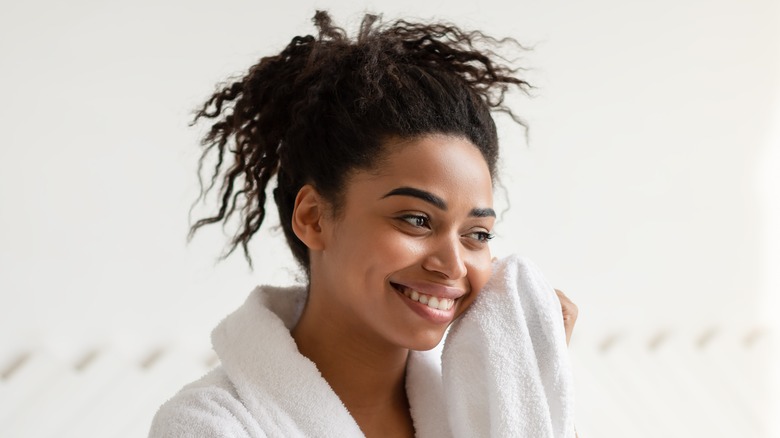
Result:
x=648 y=191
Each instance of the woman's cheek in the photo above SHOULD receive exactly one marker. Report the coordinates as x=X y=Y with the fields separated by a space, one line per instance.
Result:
x=406 y=247
x=480 y=271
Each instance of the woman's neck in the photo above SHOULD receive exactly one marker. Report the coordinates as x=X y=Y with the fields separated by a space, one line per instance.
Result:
x=366 y=376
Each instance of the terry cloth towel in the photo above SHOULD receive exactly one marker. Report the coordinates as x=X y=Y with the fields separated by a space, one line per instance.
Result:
x=511 y=383
x=505 y=362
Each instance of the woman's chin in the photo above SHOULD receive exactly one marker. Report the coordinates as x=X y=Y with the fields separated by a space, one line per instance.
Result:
x=426 y=341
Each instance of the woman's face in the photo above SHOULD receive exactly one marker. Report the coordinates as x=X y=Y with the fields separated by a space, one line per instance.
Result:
x=408 y=251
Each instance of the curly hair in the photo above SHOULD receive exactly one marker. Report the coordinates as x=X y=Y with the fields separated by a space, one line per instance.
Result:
x=325 y=105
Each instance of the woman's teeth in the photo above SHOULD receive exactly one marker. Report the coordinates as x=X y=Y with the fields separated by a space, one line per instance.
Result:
x=428 y=300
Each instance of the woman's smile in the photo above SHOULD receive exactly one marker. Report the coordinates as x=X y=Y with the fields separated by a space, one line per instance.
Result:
x=436 y=309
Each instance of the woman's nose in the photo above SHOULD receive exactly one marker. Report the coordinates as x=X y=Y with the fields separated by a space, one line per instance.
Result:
x=446 y=258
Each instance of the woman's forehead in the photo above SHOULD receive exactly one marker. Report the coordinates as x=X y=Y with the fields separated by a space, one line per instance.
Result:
x=446 y=166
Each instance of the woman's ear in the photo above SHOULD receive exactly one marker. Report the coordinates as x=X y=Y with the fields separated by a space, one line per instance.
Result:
x=307 y=216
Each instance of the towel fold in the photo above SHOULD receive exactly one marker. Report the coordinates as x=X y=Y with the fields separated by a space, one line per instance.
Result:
x=505 y=362
x=504 y=372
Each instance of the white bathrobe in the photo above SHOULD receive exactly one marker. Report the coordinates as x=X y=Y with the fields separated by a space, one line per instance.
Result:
x=504 y=371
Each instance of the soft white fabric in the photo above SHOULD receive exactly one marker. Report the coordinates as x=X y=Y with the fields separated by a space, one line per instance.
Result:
x=505 y=372
x=505 y=363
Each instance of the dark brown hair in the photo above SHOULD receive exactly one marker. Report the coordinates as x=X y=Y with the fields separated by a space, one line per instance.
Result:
x=323 y=106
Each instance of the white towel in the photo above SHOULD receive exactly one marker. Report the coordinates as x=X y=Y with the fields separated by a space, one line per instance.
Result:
x=505 y=362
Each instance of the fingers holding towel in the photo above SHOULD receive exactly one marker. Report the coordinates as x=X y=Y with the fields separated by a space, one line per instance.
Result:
x=570 y=312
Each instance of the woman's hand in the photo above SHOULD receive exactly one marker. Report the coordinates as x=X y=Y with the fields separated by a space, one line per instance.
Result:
x=569 y=310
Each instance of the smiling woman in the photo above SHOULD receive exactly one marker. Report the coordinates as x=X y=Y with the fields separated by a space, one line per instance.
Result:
x=384 y=152
x=418 y=227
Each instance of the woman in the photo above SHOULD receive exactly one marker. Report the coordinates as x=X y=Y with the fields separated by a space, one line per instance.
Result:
x=385 y=152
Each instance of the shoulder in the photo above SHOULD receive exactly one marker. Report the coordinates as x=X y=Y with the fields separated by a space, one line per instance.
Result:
x=209 y=407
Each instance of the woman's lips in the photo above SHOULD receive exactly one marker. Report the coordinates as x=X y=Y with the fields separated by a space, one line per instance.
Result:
x=440 y=303
x=439 y=310
x=431 y=289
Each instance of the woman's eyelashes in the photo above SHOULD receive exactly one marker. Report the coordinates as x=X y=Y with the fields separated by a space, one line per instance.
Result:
x=481 y=236
x=416 y=220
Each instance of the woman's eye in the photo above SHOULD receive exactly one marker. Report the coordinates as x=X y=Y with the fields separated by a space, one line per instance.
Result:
x=482 y=236
x=415 y=220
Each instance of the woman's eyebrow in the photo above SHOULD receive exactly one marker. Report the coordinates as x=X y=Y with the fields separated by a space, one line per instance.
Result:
x=482 y=212
x=420 y=194
x=435 y=200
